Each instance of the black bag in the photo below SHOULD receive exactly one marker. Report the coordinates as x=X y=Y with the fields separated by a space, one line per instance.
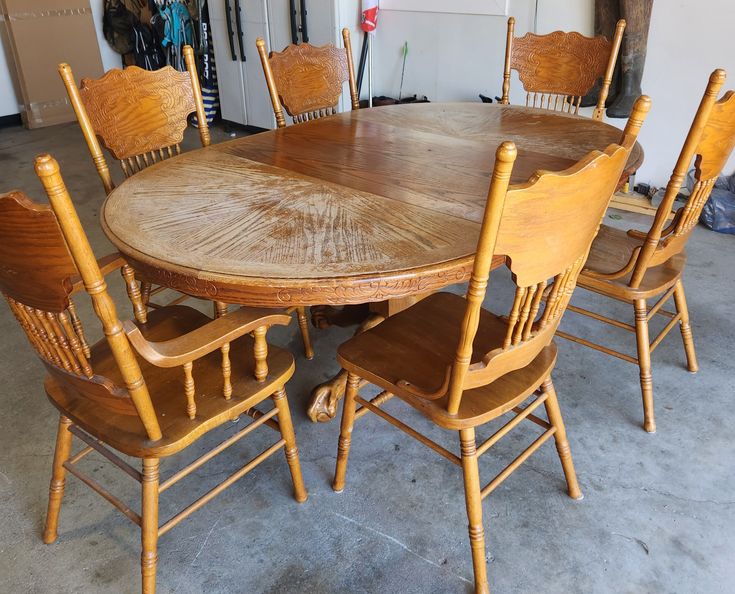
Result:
x=117 y=26
x=718 y=212
x=147 y=48
x=127 y=35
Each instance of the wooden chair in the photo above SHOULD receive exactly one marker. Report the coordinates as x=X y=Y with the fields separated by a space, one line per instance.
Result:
x=135 y=390
x=140 y=117
x=636 y=266
x=560 y=68
x=307 y=80
x=462 y=366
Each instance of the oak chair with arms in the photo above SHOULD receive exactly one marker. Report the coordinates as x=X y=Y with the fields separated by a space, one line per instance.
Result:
x=306 y=80
x=636 y=266
x=467 y=366
x=140 y=117
x=134 y=391
x=560 y=68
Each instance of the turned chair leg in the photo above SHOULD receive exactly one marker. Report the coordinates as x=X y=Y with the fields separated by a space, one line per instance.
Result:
x=644 y=363
x=345 y=433
x=686 y=330
x=220 y=309
x=149 y=524
x=560 y=436
x=139 y=308
x=145 y=292
x=473 y=499
x=58 y=480
x=304 y=326
x=292 y=452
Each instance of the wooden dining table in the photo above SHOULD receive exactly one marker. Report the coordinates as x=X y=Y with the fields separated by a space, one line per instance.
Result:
x=376 y=206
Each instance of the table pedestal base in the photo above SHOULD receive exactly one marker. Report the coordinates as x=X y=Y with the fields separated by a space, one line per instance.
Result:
x=326 y=396
x=324 y=316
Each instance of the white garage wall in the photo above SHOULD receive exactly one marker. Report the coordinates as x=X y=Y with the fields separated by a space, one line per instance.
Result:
x=8 y=97
x=687 y=42
x=455 y=57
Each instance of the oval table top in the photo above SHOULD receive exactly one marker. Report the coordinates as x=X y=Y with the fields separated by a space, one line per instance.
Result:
x=359 y=207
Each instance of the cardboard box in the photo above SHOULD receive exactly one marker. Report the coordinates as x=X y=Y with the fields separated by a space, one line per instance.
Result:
x=42 y=34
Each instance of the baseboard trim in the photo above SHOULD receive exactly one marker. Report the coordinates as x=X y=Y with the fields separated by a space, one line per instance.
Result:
x=10 y=120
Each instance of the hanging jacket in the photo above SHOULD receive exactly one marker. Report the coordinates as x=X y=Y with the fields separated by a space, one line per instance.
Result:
x=177 y=32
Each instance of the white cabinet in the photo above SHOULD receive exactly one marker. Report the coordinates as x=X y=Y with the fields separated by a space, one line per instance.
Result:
x=243 y=93
x=237 y=59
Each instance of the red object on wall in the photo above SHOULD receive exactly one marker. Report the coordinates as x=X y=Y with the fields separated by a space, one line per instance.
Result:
x=369 y=15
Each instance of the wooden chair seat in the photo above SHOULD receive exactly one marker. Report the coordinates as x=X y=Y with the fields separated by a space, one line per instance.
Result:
x=611 y=252
x=126 y=433
x=378 y=355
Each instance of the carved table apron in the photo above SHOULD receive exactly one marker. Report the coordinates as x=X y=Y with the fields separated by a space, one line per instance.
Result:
x=372 y=206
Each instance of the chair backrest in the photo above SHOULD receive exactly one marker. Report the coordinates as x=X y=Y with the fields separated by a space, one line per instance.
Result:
x=307 y=80
x=709 y=143
x=560 y=68
x=544 y=228
x=42 y=249
x=139 y=115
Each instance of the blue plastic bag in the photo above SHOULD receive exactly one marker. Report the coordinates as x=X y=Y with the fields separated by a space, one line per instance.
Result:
x=719 y=211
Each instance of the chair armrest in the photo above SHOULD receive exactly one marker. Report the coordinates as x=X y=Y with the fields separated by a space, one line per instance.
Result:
x=435 y=394
x=107 y=264
x=637 y=234
x=205 y=339
x=627 y=269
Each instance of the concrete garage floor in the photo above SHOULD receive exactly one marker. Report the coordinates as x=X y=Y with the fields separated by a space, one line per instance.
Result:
x=658 y=514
